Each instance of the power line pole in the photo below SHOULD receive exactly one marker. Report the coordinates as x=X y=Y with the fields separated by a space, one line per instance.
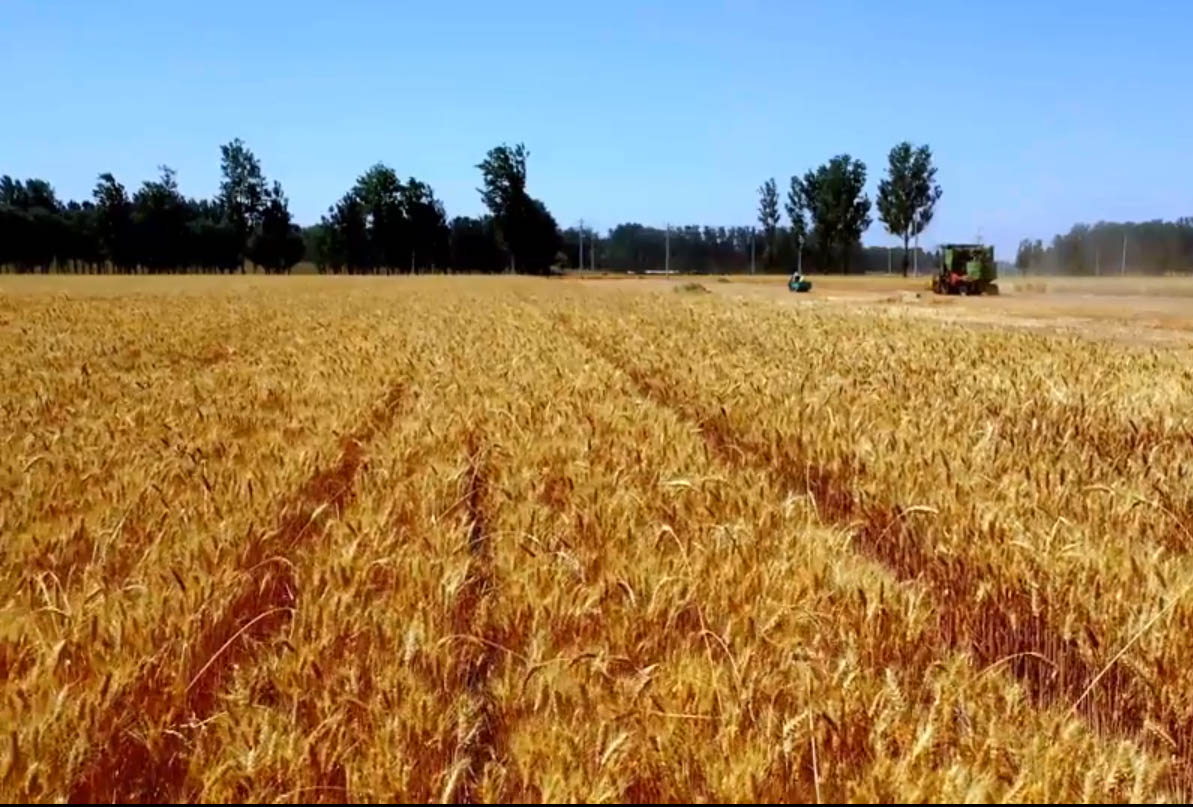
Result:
x=915 y=257
x=751 y=250
x=1122 y=268
x=580 y=263
x=592 y=245
x=667 y=251
x=888 y=259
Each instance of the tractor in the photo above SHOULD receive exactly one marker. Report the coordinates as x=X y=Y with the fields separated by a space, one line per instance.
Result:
x=966 y=269
x=797 y=282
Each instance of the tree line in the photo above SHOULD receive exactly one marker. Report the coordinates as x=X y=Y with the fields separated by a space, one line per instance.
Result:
x=1149 y=247
x=635 y=247
x=828 y=210
x=156 y=229
x=385 y=225
x=381 y=224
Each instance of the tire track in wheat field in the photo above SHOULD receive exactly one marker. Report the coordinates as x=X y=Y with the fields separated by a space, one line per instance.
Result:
x=124 y=767
x=480 y=736
x=1004 y=630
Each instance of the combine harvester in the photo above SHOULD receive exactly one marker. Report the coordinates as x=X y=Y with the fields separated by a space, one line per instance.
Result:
x=966 y=269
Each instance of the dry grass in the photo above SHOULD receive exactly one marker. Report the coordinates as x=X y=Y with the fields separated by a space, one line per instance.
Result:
x=1174 y=286
x=503 y=539
x=1134 y=285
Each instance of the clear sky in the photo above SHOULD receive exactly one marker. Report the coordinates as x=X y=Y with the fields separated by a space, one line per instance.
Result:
x=1040 y=113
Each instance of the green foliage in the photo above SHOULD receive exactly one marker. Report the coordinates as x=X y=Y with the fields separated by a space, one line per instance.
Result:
x=379 y=191
x=538 y=238
x=714 y=250
x=12 y=192
x=797 y=208
x=635 y=247
x=426 y=220
x=503 y=173
x=834 y=197
x=348 y=236
x=213 y=241
x=571 y=245
x=525 y=229
x=32 y=224
x=277 y=243
x=242 y=190
x=768 y=217
x=908 y=195
x=39 y=195
x=159 y=221
x=383 y=225
x=157 y=230
x=113 y=222
x=475 y=246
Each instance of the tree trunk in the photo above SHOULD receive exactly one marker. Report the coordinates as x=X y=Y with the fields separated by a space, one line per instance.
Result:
x=906 y=238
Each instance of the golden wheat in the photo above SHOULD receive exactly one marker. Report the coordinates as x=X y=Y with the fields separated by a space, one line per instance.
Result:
x=502 y=539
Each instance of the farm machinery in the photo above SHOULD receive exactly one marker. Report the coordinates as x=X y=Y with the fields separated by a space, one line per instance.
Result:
x=966 y=269
x=797 y=282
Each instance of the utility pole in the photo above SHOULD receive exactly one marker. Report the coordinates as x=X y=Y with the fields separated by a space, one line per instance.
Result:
x=580 y=263
x=1122 y=267
x=592 y=252
x=667 y=251
x=915 y=258
x=888 y=259
x=751 y=250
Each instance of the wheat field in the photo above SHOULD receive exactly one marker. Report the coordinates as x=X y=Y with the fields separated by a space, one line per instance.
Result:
x=496 y=539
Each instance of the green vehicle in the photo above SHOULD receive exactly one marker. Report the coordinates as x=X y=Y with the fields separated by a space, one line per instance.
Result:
x=966 y=269
x=797 y=282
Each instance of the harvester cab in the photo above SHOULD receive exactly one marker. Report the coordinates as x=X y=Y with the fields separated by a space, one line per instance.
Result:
x=966 y=269
x=797 y=282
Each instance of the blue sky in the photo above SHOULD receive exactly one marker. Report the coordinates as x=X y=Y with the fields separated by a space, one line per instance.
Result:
x=1040 y=114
